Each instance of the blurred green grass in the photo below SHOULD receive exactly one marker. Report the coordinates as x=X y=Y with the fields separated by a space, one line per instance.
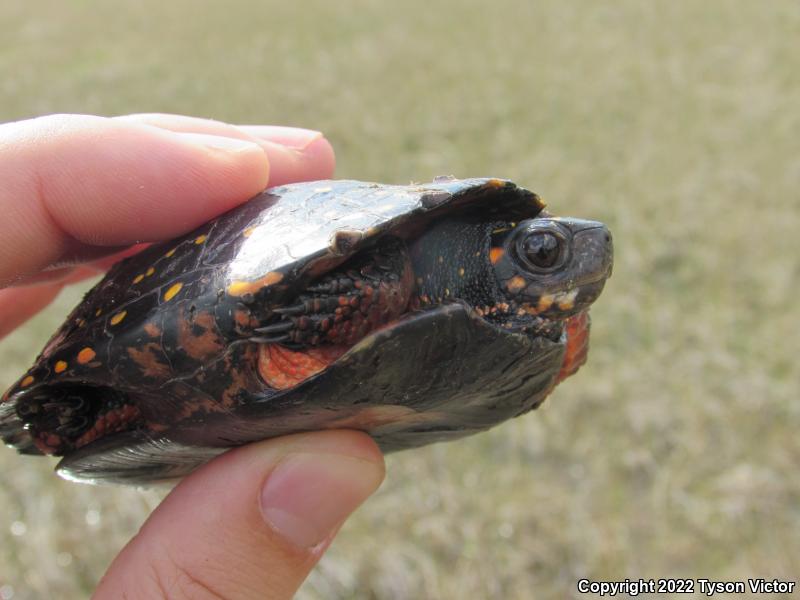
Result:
x=674 y=452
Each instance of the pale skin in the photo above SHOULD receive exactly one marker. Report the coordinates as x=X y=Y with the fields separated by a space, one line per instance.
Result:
x=76 y=193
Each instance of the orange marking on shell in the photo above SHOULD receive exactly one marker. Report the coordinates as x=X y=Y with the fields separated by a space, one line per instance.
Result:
x=86 y=355
x=138 y=278
x=495 y=183
x=149 y=360
x=172 y=291
x=495 y=254
x=199 y=338
x=199 y=239
x=248 y=232
x=244 y=319
x=117 y=318
x=515 y=284
x=98 y=312
x=26 y=381
x=281 y=368
x=171 y=252
x=240 y=288
x=150 y=271
x=60 y=366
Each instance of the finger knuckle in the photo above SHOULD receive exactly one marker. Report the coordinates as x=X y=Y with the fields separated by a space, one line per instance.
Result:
x=175 y=580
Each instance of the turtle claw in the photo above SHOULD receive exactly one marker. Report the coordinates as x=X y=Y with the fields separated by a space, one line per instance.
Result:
x=69 y=405
x=295 y=309
x=333 y=285
x=276 y=328
x=270 y=340
x=73 y=426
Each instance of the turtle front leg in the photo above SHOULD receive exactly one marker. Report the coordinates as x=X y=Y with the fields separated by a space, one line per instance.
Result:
x=334 y=313
x=342 y=307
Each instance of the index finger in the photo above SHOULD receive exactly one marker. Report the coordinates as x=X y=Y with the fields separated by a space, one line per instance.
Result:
x=70 y=182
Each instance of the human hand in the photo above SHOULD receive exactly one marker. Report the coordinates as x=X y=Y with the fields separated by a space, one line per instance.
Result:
x=79 y=192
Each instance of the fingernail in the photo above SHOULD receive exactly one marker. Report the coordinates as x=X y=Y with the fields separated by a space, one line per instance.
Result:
x=294 y=137
x=219 y=142
x=308 y=496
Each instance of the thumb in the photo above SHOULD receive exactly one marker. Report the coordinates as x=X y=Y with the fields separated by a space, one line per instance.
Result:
x=251 y=523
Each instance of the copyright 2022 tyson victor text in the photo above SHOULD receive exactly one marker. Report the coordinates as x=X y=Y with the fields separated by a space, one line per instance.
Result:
x=707 y=587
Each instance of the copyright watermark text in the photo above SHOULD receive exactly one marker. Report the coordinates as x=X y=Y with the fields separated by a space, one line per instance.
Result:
x=707 y=587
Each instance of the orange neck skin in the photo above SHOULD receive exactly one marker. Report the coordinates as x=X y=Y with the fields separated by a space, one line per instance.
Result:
x=577 y=345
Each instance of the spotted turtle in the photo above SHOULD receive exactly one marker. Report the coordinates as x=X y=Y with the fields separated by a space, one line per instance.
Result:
x=416 y=313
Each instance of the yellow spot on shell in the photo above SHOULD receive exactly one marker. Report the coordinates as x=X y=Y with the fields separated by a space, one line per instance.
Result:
x=199 y=239
x=461 y=271
x=515 y=284
x=248 y=232
x=86 y=355
x=60 y=366
x=149 y=271
x=98 y=312
x=172 y=291
x=138 y=278
x=117 y=318
x=26 y=381
x=171 y=252
x=495 y=254
x=495 y=183
x=240 y=288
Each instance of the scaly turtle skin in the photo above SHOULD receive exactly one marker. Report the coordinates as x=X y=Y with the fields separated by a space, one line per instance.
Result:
x=416 y=313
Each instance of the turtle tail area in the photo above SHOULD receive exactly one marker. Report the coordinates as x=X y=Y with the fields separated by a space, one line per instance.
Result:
x=58 y=420
x=13 y=432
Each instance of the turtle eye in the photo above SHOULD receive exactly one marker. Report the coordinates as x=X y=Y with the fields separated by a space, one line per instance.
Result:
x=542 y=249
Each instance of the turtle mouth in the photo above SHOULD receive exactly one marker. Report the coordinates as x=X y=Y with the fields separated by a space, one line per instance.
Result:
x=545 y=327
x=524 y=318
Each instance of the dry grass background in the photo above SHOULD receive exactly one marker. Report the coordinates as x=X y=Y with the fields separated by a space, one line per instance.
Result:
x=675 y=451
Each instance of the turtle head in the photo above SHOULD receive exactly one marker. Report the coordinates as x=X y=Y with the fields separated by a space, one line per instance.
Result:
x=552 y=267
